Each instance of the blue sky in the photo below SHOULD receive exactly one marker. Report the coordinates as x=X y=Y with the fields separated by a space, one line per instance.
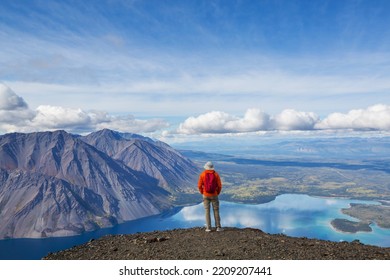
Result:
x=195 y=67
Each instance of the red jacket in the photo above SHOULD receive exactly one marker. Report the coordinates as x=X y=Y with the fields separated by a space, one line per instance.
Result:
x=202 y=180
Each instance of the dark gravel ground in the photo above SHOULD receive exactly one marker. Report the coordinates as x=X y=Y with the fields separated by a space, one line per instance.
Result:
x=230 y=244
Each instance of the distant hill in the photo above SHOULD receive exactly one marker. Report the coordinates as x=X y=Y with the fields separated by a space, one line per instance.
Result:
x=345 y=148
x=57 y=184
x=321 y=147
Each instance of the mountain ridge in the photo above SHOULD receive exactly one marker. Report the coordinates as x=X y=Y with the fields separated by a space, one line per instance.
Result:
x=156 y=159
x=57 y=184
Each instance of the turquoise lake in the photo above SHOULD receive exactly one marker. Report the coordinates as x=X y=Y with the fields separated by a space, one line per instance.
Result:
x=290 y=214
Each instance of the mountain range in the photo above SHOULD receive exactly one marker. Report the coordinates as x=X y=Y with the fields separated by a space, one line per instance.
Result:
x=59 y=184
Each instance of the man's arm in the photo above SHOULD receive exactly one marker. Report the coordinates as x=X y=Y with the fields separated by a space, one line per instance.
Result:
x=200 y=183
x=219 y=183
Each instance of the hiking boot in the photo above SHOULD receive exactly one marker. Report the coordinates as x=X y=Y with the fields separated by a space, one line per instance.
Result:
x=219 y=229
x=208 y=229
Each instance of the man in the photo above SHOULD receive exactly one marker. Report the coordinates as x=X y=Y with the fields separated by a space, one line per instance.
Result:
x=210 y=187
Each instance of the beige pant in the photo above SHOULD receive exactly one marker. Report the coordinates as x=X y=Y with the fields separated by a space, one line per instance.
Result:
x=215 y=202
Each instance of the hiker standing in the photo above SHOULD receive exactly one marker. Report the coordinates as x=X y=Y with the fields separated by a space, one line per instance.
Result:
x=210 y=187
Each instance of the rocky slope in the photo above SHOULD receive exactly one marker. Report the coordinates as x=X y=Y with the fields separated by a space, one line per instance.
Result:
x=56 y=184
x=174 y=172
x=232 y=243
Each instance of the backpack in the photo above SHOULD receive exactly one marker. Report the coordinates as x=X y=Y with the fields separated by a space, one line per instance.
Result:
x=210 y=184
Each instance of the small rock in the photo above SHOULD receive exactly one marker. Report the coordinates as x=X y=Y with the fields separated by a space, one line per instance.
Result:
x=150 y=239
x=161 y=239
x=219 y=253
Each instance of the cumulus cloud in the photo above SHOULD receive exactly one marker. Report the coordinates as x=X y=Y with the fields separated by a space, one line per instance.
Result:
x=55 y=117
x=9 y=100
x=375 y=117
x=290 y=119
x=253 y=120
x=14 y=111
x=16 y=116
x=221 y=122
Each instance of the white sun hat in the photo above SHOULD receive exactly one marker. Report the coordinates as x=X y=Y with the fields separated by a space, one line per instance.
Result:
x=209 y=166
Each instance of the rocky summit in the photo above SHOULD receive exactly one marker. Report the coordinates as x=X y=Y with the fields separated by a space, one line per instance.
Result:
x=230 y=244
x=60 y=184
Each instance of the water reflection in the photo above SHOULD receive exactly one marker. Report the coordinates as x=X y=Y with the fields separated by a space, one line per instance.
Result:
x=293 y=215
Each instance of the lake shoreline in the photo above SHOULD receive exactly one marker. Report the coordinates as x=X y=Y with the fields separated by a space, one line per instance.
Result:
x=293 y=215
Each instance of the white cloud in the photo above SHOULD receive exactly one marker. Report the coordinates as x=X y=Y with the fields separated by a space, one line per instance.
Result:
x=221 y=122
x=16 y=116
x=14 y=112
x=375 y=117
x=212 y=122
x=54 y=117
x=130 y=124
x=290 y=119
x=9 y=100
x=253 y=120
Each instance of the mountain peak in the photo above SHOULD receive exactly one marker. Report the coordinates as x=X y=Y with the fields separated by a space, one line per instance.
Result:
x=107 y=133
x=160 y=161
